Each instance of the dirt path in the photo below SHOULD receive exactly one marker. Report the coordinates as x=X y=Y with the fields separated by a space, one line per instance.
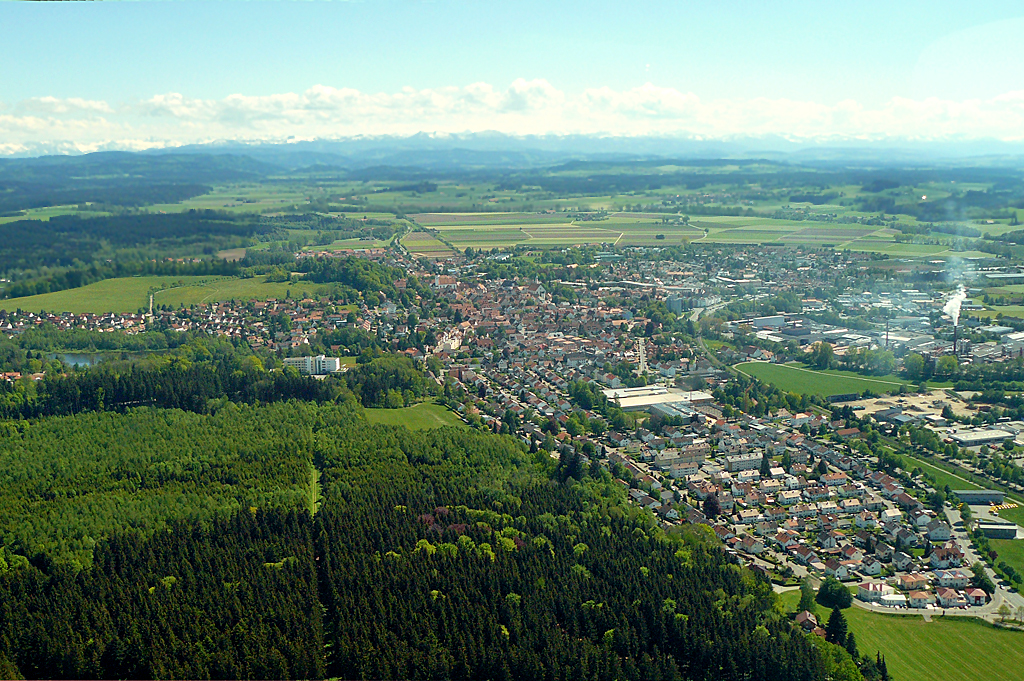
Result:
x=315 y=493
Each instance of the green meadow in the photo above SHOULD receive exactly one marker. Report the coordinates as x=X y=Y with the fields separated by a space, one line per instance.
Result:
x=950 y=648
x=131 y=293
x=421 y=416
x=806 y=381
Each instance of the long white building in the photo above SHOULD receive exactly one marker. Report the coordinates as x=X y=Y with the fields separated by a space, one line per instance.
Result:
x=314 y=365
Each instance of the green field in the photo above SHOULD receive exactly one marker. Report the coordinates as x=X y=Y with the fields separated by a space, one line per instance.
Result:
x=941 y=476
x=805 y=381
x=951 y=648
x=131 y=293
x=1010 y=550
x=417 y=417
x=552 y=230
x=426 y=245
x=1014 y=515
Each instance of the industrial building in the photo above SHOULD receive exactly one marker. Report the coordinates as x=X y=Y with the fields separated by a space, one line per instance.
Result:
x=977 y=438
x=648 y=396
x=979 y=496
x=998 y=530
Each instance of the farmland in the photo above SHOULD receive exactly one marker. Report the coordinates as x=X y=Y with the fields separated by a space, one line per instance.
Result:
x=916 y=650
x=558 y=230
x=131 y=294
x=806 y=381
x=417 y=417
x=424 y=244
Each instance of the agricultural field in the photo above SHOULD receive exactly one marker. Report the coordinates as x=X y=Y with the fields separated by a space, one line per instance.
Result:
x=994 y=311
x=503 y=230
x=806 y=381
x=421 y=416
x=231 y=288
x=555 y=230
x=425 y=244
x=916 y=650
x=132 y=293
x=242 y=198
x=49 y=212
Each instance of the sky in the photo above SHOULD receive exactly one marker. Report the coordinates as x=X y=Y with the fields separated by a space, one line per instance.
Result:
x=86 y=76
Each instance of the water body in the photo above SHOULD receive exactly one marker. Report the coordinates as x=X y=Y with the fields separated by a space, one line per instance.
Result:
x=87 y=359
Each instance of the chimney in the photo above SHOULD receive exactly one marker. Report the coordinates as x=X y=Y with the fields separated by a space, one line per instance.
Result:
x=956 y=352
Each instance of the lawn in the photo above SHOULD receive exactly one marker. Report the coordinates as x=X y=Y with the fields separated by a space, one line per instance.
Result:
x=952 y=648
x=1014 y=515
x=417 y=417
x=942 y=477
x=888 y=378
x=1010 y=550
x=129 y=294
x=805 y=381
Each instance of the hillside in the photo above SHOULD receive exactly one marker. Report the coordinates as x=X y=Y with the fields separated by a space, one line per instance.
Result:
x=440 y=554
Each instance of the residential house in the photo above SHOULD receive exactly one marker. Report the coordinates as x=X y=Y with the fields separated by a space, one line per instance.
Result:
x=901 y=561
x=953 y=579
x=946 y=557
x=872 y=592
x=938 y=531
x=914 y=581
x=750 y=545
x=807 y=621
x=921 y=599
x=870 y=566
x=949 y=598
x=976 y=596
x=836 y=568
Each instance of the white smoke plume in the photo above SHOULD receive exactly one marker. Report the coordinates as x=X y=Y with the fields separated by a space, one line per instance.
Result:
x=952 y=306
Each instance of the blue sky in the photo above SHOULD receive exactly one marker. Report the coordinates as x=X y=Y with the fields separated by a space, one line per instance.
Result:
x=146 y=73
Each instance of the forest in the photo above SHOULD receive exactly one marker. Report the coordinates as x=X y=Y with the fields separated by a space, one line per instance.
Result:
x=443 y=554
x=65 y=241
x=117 y=178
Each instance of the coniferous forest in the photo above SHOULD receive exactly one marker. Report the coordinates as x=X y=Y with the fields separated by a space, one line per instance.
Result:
x=294 y=540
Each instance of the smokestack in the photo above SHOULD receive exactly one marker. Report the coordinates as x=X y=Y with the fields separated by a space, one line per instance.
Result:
x=956 y=328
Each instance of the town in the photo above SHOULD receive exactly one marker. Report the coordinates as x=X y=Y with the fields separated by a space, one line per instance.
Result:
x=612 y=365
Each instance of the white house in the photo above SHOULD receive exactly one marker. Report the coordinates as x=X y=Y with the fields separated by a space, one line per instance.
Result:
x=872 y=592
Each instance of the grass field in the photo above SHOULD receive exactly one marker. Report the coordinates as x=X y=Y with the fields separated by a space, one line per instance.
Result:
x=941 y=476
x=417 y=417
x=131 y=293
x=1014 y=515
x=805 y=381
x=916 y=650
x=1010 y=550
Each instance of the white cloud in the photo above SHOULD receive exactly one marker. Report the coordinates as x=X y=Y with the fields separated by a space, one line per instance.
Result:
x=58 y=107
x=524 y=107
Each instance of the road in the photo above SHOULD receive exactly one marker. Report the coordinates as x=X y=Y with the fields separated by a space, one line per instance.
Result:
x=701 y=310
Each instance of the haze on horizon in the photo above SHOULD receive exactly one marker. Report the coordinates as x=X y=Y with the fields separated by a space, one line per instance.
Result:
x=138 y=75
